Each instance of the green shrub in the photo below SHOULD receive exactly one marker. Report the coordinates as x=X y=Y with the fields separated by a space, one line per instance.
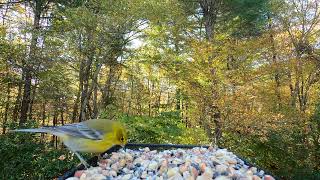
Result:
x=166 y=128
x=283 y=154
x=23 y=156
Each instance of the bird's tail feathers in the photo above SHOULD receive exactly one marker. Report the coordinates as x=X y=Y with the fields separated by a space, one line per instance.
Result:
x=36 y=130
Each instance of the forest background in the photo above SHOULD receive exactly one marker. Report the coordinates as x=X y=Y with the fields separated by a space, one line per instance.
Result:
x=241 y=74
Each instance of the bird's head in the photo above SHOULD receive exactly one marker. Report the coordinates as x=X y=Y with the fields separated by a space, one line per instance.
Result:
x=121 y=135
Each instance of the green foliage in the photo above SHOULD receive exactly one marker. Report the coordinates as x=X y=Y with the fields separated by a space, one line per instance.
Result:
x=284 y=154
x=246 y=17
x=165 y=128
x=23 y=156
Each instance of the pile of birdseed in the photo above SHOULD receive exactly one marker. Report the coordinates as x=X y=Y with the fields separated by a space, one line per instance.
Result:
x=189 y=164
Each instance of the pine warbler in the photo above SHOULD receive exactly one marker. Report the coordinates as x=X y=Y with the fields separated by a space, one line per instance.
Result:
x=93 y=136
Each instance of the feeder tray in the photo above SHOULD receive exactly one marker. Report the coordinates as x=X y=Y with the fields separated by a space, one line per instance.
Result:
x=94 y=160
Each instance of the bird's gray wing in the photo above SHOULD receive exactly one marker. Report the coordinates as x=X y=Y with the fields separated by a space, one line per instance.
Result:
x=77 y=129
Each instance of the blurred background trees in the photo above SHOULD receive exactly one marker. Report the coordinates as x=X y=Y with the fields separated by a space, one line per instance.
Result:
x=241 y=74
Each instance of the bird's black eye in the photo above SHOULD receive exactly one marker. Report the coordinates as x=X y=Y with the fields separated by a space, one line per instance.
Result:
x=122 y=139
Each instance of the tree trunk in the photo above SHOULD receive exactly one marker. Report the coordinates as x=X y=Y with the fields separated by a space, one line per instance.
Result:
x=17 y=103
x=75 y=105
x=275 y=62
x=25 y=97
x=292 y=91
x=44 y=113
x=149 y=103
x=89 y=56
x=43 y=119
x=94 y=86
x=55 y=116
x=210 y=9
x=150 y=98
x=94 y=89
x=33 y=95
x=28 y=64
x=62 y=115
x=186 y=115
x=81 y=69
x=95 y=102
x=168 y=104
x=218 y=125
x=131 y=97
x=159 y=99
x=106 y=99
x=182 y=109
x=316 y=139
x=109 y=87
x=295 y=87
x=6 y=111
x=84 y=93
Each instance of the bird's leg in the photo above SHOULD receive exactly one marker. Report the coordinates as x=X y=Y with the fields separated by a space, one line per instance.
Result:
x=86 y=165
x=100 y=157
x=72 y=149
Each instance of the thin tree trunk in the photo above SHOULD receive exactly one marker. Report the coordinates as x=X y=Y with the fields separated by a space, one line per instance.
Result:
x=17 y=103
x=6 y=111
x=131 y=96
x=55 y=116
x=316 y=139
x=205 y=123
x=159 y=99
x=33 y=95
x=295 y=88
x=62 y=116
x=178 y=100
x=292 y=91
x=150 y=99
x=85 y=110
x=106 y=94
x=85 y=91
x=95 y=102
x=168 y=100
x=43 y=119
x=149 y=103
x=43 y=113
x=182 y=109
x=218 y=125
x=139 y=104
x=67 y=109
x=275 y=62
x=186 y=115
x=62 y=106
x=94 y=89
x=95 y=93
x=81 y=69
x=75 y=106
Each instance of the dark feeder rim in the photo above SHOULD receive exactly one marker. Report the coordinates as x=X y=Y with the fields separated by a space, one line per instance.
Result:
x=93 y=161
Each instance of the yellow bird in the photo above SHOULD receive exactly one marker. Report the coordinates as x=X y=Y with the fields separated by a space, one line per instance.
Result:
x=93 y=136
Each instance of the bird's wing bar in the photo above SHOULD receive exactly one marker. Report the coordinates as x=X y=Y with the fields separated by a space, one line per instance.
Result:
x=78 y=130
